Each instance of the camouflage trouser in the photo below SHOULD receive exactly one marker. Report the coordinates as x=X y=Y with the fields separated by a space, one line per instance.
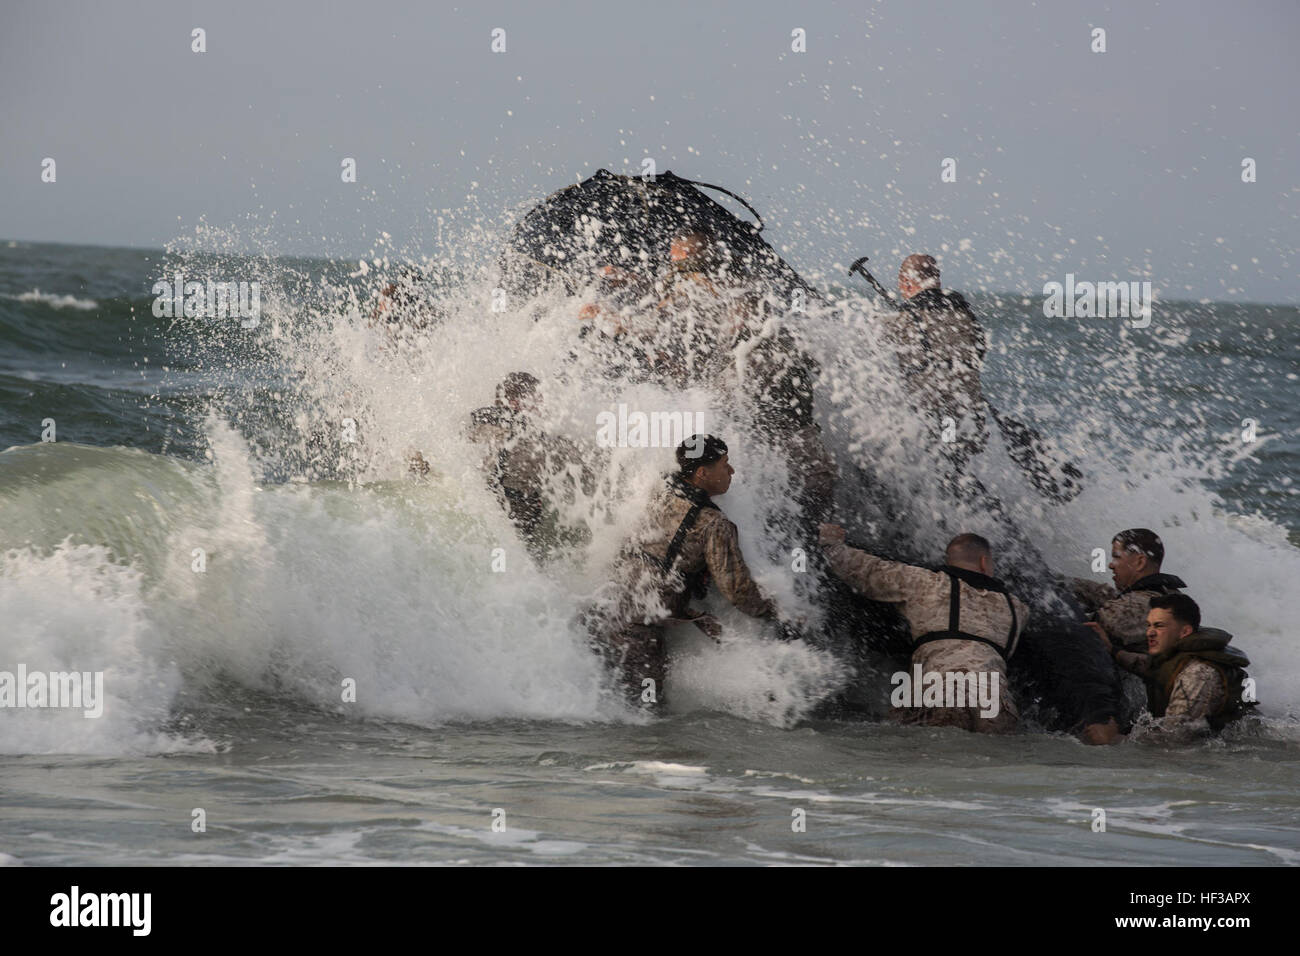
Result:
x=636 y=653
x=966 y=718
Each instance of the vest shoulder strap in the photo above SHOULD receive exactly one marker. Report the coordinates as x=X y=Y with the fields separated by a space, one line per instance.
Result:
x=679 y=537
x=954 y=631
x=1015 y=625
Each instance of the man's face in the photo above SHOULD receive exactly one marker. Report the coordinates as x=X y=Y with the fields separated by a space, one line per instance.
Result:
x=908 y=286
x=687 y=251
x=530 y=403
x=1164 y=630
x=1128 y=567
x=715 y=479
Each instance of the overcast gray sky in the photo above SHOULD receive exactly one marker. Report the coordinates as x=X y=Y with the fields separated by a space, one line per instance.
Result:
x=1123 y=164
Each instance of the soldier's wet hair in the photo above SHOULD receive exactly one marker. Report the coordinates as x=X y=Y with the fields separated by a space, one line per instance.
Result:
x=969 y=548
x=921 y=269
x=1142 y=541
x=515 y=387
x=1182 y=608
x=699 y=234
x=698 y=451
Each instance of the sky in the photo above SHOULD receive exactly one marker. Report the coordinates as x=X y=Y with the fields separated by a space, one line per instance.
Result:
x=1117 y=165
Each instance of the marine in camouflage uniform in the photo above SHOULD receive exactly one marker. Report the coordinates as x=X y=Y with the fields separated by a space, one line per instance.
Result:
x=1120 y=611
x=962 y=619
x=524 y=464
x=684 y=542
x=700 y=311
x=1195 y=681
x=702 y=325
x=620 y=328
x=940 y=348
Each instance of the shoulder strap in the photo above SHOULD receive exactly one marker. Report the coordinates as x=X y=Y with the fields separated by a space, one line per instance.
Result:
x=1011 y=634
x=955 y=632
x=683 y=529
x=688 y=522
x=954 y=604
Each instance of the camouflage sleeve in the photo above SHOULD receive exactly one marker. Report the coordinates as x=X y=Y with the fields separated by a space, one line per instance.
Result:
x=731 y=574
x=1197 y=693
x=1091 y=593
x=873 y=577
x=1174 y=730
x=1134 y=663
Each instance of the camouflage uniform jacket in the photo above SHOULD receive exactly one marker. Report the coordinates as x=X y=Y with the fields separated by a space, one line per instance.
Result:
x=520 y=458
x=1193 y=680
x=1123 y=614
x=709 y=549
x=940 y=349
x=1198 y=691
x=923 y=598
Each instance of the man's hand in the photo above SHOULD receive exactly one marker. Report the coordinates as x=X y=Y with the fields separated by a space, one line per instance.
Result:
x=1101 y=734
x=1101 y=635
x=829 y=534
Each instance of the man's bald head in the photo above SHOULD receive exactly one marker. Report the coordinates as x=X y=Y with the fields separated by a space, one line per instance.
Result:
x=918 y=272
x=972 y=552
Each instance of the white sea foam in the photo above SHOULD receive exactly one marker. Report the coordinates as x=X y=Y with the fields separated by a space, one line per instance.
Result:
x=54 y=300
x=388 y=583
x=76 y=610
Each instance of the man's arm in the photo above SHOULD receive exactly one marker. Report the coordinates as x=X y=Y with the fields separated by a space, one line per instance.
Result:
x=1134 y=663
x=1091 y=593
x=872 y=577
x=731 y=574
